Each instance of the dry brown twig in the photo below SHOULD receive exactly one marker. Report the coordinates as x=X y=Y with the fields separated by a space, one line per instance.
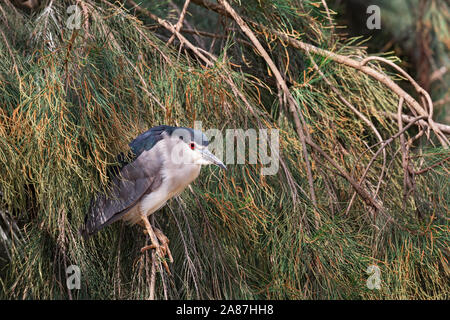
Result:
x=360 y=115
x=375 y=74
x=358 y=65
x=153 y=277
x=406 y=119
x=432 y=166
x=172 y=29
x=293 y=107
x=363 y=193
x=198 y=39
x=384 y=144
x=180 y=22
x=324 y=3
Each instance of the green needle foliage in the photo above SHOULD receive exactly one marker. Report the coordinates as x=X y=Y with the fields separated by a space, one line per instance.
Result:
x=71 y=100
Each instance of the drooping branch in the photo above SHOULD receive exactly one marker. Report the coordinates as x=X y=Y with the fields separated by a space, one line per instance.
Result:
x=406 y=119
x=172 y=29
x=341 y=59
x=363 y=193
x=299 y=122
x=180 y=21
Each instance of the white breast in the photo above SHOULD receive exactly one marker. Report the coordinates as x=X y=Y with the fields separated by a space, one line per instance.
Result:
x=176 y=177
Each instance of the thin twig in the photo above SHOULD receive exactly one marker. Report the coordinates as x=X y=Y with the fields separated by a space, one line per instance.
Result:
x=153 y=276
x=363 y=193
x=172 y=29
x=180 y=22
x=383 y=145
x=432 y=166
x=295 y=43
x=406 y=119
x=293 y=107
x=328 y=14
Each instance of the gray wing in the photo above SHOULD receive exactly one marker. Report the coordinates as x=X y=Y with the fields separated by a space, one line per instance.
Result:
x=135 y=180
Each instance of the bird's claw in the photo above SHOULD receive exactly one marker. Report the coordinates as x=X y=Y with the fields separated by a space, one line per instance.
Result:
x=157 y=237
x=160 y=252
x=167 y=251
x=163 y=247
x=149 y=247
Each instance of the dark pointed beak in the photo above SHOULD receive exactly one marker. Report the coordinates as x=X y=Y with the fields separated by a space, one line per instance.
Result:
x=208 y=156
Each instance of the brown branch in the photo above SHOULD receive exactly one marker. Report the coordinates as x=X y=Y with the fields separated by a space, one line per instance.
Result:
x=363 y=193
x=371 y=72
x=198 y=39
x=328 y=13
x=416 y=86
x=432 y=166
x=384 y=144
x=180 y=21
x=345 y=61
x=213 y=35
x=406 y=119
x=292 y=104
x=172 y=29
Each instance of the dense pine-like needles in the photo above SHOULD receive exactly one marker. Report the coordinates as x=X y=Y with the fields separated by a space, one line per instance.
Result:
x=363 y=194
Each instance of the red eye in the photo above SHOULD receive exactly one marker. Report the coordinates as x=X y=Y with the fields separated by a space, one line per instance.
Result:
x=192 y=145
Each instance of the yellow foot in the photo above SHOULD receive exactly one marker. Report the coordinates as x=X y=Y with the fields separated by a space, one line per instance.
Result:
x=160 y=253
x=164 y=243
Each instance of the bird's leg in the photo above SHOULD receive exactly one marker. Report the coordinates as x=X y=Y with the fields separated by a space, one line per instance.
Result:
x=155 y=244
x=164 y=242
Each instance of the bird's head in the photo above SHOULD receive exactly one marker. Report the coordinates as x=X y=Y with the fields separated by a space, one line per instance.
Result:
x=191 y=147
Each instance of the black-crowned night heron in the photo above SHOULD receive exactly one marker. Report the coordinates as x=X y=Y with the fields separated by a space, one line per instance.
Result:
x=165 y=160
